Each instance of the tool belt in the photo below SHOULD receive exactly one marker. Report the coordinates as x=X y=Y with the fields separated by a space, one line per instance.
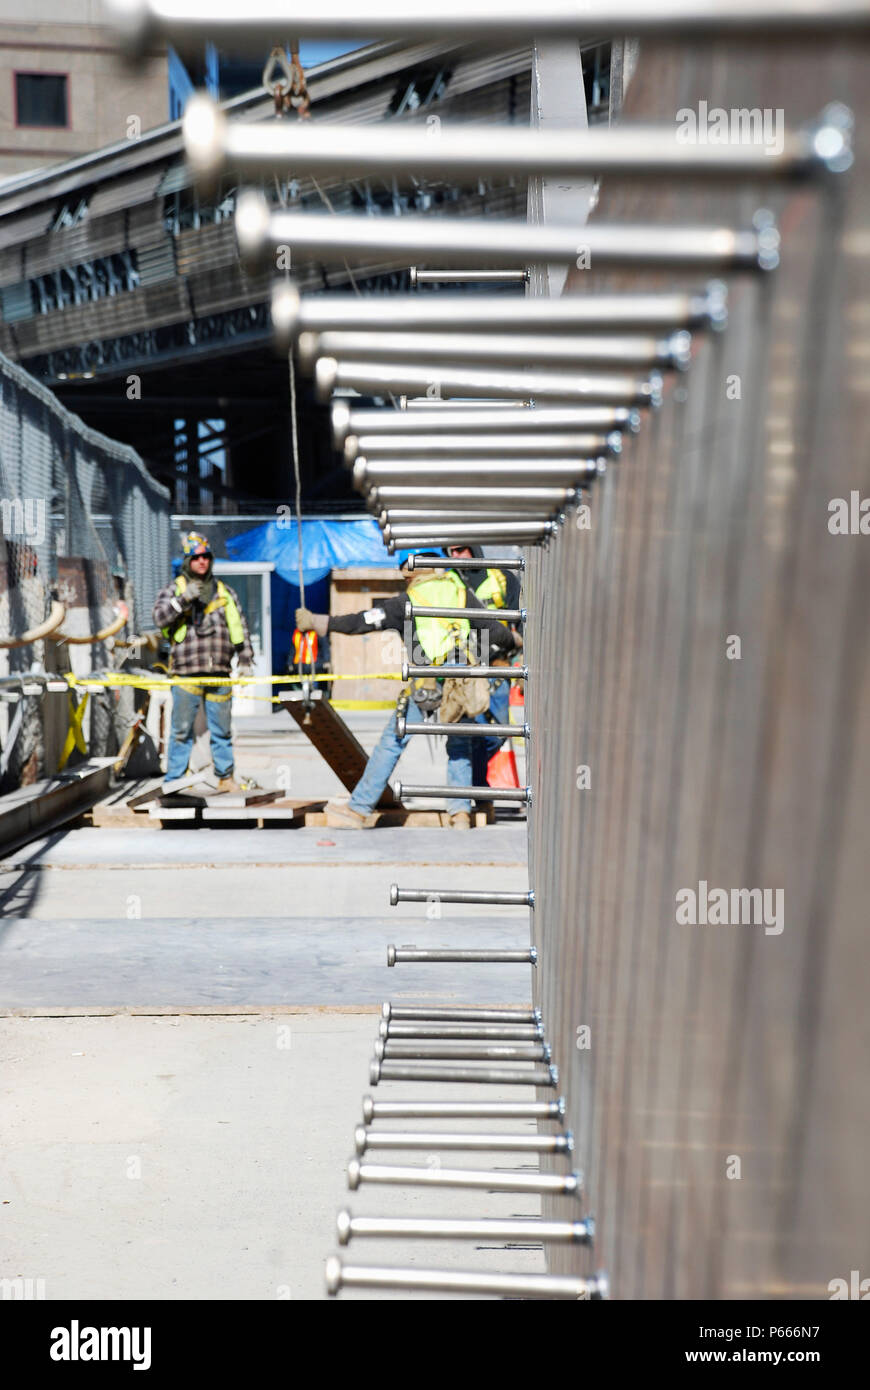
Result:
x=454 y=697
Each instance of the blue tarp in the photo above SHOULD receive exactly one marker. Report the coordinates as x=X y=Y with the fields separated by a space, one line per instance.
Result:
x=326 y=545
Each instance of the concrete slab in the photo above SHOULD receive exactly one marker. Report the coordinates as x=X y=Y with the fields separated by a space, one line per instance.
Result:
x=205 y=1158
x=297 y=961
x=129 y=848
x=324 y=888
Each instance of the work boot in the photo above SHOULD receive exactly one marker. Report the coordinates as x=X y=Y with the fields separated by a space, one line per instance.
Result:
x=229 y=784
x=340 y=815
x=460 y=820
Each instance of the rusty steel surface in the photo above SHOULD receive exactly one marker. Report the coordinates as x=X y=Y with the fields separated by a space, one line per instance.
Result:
x=721 y=1109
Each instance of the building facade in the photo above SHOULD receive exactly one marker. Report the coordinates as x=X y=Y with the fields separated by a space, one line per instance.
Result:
x=64 y=89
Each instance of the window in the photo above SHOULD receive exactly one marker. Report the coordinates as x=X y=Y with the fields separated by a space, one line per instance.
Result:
x=41 y=99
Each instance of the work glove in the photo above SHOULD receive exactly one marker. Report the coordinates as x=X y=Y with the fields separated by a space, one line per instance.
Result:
x=306 y=621
x=244 y=668
x=192 y=592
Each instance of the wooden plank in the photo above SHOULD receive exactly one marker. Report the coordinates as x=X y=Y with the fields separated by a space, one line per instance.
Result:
x=324 y=727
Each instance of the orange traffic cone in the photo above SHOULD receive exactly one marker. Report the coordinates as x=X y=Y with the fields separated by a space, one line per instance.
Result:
x=501 y=770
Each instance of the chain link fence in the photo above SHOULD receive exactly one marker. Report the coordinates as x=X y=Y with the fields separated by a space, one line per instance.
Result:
x=56 y=474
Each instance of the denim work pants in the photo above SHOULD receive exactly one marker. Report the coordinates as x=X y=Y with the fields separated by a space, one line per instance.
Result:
x=218 y=713
x=379 y=768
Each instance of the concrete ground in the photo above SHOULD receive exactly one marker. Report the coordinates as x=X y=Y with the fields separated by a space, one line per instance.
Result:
x=197 y=1147
x=183 y=1157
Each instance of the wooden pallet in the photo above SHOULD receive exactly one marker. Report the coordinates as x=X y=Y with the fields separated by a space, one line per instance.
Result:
x=286 y=814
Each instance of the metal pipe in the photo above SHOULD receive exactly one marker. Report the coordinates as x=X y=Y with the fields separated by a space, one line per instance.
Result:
x=577 y=473
x=254 y=150
x=492 y=1180
x=495 y=349
x=465 y=532
x=507 y=615
x=519 y=497
x=376 y=451
x=523 y=794
x=459 y=895
x=470 y=514
x=446 y=417
x=469 y=532
x=497 y=1032
x=383 y=378
x=469 y=730
x=495 y=242
x=443 y=511
x=419 y=277
x=428 y=562
x=189 y=24
x=450 y=792
x=446 y=1281
x=459 y=1015
x=398 y=955
x=460 y=1050
x=471 y=535
x=665 y=312
x=516 y=1230
x=514 y=673
x=462 y=1109
x=470 y=1075
x=367 y=1139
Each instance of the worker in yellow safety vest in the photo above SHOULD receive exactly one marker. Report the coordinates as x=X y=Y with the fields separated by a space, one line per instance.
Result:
x=495 y=588
x=434 y=642
x=201 y=619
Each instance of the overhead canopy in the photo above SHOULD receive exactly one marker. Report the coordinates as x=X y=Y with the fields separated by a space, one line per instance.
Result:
x=326 y=545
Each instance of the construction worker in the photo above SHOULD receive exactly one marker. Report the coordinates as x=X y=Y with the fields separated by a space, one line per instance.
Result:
x=434 y=642
x=495 y=589
x=201 y=619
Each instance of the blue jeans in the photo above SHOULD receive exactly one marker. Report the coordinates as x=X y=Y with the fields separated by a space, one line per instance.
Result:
x=379 y=768
x=483 y=748
x=218 y=713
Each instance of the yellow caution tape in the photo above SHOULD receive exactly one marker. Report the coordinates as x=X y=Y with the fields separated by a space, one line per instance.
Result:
x=363 y=704
x=123 y=678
